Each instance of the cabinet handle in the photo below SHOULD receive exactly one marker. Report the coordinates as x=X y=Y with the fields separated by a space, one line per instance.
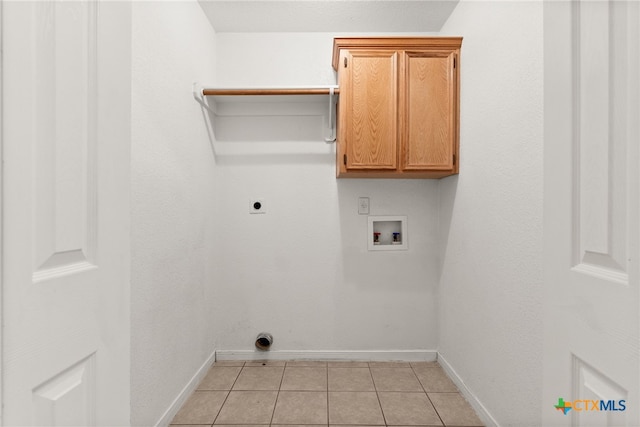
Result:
x=344 y=159
x=345 y=62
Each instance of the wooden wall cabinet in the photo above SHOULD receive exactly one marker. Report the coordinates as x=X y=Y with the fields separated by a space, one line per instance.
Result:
x=398 y=110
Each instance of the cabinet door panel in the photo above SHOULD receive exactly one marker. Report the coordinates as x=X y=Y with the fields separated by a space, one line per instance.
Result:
x=371 y=103
x=428 y=123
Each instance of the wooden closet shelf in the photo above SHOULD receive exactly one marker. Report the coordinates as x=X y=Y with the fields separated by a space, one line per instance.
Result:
x=272 y=91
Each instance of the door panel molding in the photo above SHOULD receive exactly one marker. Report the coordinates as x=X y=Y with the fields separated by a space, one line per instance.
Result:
x=600 y=161
x=55 y=402
x=65 y=125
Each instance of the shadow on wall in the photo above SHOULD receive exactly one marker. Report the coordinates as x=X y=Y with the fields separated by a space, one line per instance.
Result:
x=399 y=269
x=389 y=297
x=267 y=132
x=447 y=198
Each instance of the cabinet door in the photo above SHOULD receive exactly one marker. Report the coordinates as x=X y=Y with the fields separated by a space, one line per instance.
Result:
x=369 y=110
x=428 y=121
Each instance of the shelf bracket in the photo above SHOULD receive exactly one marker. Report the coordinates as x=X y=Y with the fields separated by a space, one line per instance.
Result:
x=332 y=114
x=199 y=97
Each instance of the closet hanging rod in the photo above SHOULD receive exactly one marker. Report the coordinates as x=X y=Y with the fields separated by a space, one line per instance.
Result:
x=273 y=91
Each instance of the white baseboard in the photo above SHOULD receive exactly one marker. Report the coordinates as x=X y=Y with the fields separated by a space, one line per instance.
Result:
x=480 y=409
x=182 y=397
x=372 y=355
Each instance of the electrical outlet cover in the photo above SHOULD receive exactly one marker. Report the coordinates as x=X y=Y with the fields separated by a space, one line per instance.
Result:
x=363 y=205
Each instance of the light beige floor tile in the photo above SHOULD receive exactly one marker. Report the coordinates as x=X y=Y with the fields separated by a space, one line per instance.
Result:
x=348 y=364
x=238 y=425
x=408 y=409
x=361 y=407
x=389 y=365
x=248 y=407
x=395 y=379
x=229 y=363
x=220 y=378
x=298 y=425
x=433 y=364
x=259 y=378
x=301 y=407
x=350 y=379
x=299 y=363
x=434 y=379
x=352 y=399
x=305 y=378
x=255 y=363
x=201 y=408
x=454 y=409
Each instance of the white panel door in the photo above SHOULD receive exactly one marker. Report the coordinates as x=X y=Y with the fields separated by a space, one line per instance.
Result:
x=591 y=213
x=65 y=190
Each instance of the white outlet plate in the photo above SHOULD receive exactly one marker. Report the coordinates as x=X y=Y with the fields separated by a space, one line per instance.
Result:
x=257 y=206
x=363 y=205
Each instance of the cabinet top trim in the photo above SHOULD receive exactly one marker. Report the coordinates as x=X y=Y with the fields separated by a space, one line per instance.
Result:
x=396 y=43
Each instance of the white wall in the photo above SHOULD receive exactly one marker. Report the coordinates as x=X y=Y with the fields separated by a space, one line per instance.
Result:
x=302 y=271
x=207 y=274
x=490 y=314
x=172 y=330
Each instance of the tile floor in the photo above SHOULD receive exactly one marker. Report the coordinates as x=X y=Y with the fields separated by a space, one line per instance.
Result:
x=303 y=393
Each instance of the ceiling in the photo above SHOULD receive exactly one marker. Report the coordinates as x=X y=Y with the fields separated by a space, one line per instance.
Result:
x=394 y=16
